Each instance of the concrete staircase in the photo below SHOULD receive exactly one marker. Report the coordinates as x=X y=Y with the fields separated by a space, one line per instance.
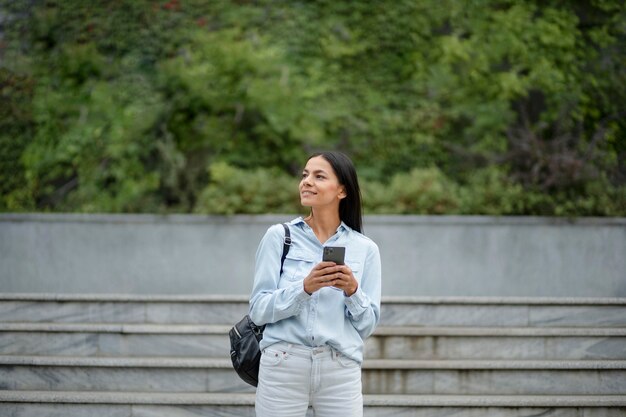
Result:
x=167 y=356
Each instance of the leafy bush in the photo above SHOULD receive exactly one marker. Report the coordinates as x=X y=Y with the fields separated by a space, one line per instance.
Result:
x=421 y=191
x=236 y=191
x=493 y=107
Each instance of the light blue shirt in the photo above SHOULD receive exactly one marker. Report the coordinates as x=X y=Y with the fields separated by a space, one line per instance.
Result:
x=327 y=317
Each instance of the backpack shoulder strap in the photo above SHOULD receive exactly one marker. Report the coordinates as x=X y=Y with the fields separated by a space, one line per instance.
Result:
x=286 y=244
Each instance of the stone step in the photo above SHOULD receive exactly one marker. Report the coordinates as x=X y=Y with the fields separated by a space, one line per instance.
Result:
x=397 y=342
x=504 y=312
x=396 y=311
x=140 y=404
x=122 y=309
x=449 y=377
x=90 y=339
x=524 y=343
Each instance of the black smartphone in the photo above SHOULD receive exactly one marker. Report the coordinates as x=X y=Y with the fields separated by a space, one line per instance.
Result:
x=334 y=254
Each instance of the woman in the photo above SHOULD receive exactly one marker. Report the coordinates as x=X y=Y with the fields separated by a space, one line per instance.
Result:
x=317 y=314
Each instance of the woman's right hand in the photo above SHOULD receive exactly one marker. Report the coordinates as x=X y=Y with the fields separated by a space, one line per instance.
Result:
x=324 y=274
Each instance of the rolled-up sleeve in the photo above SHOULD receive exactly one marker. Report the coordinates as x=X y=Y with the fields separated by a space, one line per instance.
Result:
x=363 y=307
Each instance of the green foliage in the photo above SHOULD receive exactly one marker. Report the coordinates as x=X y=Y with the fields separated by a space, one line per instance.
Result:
x=447 y=107
x=90 y=150
x=15 y=129
x=237 y=191
x=421 y=191
x=233 y=96
x=487 y=192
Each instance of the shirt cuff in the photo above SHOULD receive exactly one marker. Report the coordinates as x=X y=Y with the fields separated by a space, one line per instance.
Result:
x=297 y=293
x=302 y=295
x=357 y=303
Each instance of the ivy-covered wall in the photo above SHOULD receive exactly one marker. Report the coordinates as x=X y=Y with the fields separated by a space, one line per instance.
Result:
x=447 y=107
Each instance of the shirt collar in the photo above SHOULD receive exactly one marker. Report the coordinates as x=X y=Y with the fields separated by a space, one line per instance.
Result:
x=300 y=221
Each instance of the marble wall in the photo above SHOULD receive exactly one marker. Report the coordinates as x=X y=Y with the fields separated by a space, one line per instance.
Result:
x=421 y=255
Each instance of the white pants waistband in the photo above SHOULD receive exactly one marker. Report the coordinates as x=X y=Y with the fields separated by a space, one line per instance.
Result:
x=304 y=351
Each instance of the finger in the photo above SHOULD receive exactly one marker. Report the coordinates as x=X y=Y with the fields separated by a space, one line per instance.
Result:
x=331 y=279
x=330 y=275
x=340 y=284
x=337 y=280
x=325 y=264
x=326 y=281
x=327 y=272
x=335 y=277
x=326 y=278
x=341 y=279
x=345 y=269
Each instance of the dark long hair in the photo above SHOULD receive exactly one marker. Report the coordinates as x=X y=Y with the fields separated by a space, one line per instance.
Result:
x=350 y=211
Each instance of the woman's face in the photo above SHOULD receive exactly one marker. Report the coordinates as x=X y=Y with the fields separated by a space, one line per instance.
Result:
x=319 y=186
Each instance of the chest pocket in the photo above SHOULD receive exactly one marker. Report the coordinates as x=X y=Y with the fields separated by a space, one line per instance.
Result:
x=355 y=266
x=298 y=264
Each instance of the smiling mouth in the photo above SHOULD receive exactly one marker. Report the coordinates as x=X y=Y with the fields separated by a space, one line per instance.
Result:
x=307 y=193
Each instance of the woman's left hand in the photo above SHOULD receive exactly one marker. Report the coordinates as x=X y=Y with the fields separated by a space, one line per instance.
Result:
x=344 y=280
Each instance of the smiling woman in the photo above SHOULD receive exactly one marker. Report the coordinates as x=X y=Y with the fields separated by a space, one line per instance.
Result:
x=335 y=168
x=320 y=189
x=312 y=346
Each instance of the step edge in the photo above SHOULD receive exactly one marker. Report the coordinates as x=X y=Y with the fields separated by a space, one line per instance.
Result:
x=211 y=329
x=241 y=298
x=125 y=298
x=495 y=400
x=496 y=364
x=375 y=400
x=368 y=364
x=122 y=328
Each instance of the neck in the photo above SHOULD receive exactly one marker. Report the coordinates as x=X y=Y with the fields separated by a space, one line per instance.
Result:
x=323 y=223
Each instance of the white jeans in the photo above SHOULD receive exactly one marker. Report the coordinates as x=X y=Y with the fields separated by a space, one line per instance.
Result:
x=292 y=377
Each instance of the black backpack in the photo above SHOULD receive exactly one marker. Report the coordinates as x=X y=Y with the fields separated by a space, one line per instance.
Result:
x=245 y=336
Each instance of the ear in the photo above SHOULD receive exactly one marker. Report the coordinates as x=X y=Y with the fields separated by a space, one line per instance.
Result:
x=342 y=193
